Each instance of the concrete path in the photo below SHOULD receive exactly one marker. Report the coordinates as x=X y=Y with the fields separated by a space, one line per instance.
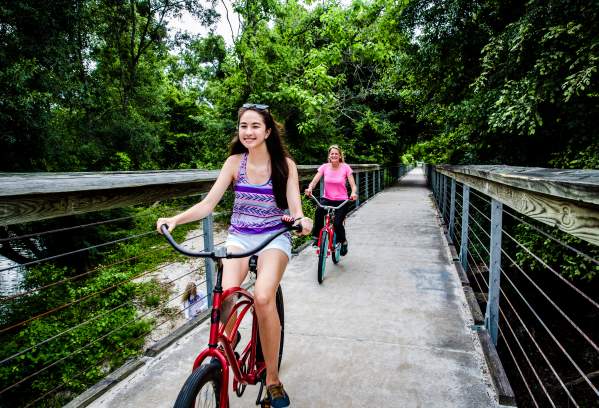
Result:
x=388 y=327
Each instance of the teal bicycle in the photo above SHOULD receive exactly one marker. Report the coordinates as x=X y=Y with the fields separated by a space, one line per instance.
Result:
x=327 y=239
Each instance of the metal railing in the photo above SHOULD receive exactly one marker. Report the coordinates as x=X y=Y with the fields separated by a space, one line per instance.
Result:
x=527 y=239
x=96 y=285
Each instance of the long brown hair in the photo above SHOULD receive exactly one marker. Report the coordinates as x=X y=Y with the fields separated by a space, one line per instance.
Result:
x=190 y=290
x=276 y=149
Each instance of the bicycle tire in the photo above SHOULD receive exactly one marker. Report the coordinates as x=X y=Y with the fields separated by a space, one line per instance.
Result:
x=322 y=256
x=209 y=375
x=336 y=255
x=281 y=312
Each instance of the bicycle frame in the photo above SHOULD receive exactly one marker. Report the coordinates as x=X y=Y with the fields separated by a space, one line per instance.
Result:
x=226 y=355
x=329 y=228
x=328 y=224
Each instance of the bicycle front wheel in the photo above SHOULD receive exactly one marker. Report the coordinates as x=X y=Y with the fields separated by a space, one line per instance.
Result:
x=322 y=256
x=202 y=388
x=336 y=255
x=281 y=312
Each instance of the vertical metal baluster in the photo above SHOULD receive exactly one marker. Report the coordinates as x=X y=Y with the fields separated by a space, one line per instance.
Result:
x=452 y=212
x=492 y=312
x=465 y=218
x=208 y=230
x=358 y=189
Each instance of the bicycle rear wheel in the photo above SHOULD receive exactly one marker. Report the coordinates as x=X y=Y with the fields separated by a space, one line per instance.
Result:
x=336 y=255
x=322 y=256
x=202 y=388
x=281 y=312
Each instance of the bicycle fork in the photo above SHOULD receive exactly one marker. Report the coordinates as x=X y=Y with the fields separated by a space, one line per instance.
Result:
x=212 y=351
x=330 y=233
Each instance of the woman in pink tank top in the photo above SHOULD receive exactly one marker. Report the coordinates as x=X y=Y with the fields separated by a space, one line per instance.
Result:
x=266 y=187
x=336 y=173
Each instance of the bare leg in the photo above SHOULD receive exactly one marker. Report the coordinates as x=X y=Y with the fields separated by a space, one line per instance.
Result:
x=271 y=265
x=234 y=272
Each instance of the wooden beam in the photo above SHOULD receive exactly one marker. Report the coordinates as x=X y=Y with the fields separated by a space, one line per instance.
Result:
x=505 y=394
x=26 y=197
x=576 y=185
x=576 y=213
x=27 y=208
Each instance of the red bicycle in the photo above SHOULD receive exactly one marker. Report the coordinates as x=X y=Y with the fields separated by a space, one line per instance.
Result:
x=327 y=239
x=208 y=384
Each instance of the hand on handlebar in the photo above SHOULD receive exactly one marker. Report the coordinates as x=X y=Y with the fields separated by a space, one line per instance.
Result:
x=305 y=222
x=308 y=192
x=353 y=197
x=169 y=222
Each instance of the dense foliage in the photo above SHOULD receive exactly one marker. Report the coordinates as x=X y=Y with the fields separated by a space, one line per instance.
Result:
x=89 y=85
x=507 y=81
x=106 y=85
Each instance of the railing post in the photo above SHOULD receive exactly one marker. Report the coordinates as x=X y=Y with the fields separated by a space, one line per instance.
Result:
x=439 y=188
x=358 y=188
x=373 y=184
x=208 y=230
x=492 y=312
x=465 y=218
x=452 y=212
x=436 y=185
x=321 y=186
x=444 y=199
x=366 y=184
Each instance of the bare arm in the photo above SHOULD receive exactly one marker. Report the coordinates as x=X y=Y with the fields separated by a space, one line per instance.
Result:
x=294 y=200
x=313 y=184
x=352 y=184
x=205 y=207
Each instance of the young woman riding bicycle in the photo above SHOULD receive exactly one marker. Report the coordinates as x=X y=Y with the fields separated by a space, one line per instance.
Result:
x=336 y=172
x=266 y=185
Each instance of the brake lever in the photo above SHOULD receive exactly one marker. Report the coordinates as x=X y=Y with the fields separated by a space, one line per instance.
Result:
x=297 y=228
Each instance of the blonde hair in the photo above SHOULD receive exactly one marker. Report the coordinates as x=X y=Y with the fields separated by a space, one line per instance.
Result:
x=331 y=147
x=190 y=290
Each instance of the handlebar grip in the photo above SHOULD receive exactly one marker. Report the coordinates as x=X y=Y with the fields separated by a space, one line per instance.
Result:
x=179 y=248
x=297 y=228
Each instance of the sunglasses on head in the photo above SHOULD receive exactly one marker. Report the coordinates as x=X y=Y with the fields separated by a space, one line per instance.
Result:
x=257 y=106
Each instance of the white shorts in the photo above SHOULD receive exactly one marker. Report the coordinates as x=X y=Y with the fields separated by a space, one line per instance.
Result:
x=251 y=241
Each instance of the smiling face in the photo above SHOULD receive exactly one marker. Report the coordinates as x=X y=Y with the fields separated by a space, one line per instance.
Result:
x=252 y=129
x=334 y=156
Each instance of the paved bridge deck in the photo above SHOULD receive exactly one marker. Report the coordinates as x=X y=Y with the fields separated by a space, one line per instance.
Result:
x=389 y=327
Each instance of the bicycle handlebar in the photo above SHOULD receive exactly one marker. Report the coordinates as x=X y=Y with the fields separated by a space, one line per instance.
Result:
x=221 y=252
x=328 y=206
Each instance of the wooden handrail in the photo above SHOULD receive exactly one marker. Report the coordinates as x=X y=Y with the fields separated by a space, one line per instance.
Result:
x=567 y=199
x=26 y=197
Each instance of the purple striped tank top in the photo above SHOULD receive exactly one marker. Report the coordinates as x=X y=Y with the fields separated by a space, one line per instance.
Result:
x=255 y=210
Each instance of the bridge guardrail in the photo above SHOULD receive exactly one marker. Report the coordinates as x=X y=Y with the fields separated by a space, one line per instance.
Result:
x=526 y=241
x=94 y=288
